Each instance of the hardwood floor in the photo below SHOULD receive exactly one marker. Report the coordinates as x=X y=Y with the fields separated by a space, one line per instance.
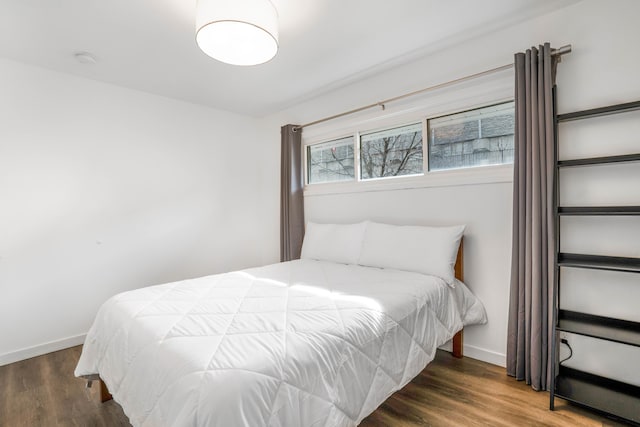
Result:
x=467 y=392
x=451 y=392
x=43 y=392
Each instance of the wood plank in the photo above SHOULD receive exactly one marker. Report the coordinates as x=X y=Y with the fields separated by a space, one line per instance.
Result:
x=104 y=392
x=450 y=391
x=458 y=268
x=457 y=343
x=473 y=393
x=42 y=391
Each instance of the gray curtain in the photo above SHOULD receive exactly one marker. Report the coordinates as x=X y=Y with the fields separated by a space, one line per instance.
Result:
x=291 y=194
x=529 y=328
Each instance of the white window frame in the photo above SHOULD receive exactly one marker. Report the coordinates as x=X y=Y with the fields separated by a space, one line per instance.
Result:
x=305 y=160
x=411 y=122
x=479 y=130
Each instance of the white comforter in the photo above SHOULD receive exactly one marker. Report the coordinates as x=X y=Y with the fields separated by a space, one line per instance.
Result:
x=302 y=343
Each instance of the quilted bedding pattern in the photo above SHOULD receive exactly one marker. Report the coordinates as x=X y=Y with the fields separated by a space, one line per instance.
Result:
x=302 y=343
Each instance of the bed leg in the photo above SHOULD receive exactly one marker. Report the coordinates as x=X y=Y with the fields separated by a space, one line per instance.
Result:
x=104 y=392
x=457 y=344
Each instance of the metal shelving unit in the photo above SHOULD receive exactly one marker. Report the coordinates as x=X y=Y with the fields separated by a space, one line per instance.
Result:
x=599 y=262
x=596 y=392
x=599 y=210
x=599 y=393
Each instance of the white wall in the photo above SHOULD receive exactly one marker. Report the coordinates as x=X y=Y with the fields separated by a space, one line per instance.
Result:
x=602 y=70
x=105 y=189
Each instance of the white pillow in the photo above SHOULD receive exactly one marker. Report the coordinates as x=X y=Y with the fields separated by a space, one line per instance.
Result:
x=427 y=250
x=339 y=243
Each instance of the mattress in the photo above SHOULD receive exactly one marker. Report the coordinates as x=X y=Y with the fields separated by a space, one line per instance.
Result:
x=300 y=343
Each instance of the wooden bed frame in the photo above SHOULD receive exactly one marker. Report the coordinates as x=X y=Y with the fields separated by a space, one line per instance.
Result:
x=456 y=340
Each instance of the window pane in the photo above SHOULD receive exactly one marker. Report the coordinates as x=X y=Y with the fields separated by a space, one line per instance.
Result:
x=392 y=152
x=474 y=138
x=330 y=161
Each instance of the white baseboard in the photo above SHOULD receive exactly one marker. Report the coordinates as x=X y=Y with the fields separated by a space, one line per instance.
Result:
x=485 y=355
x=478 y=353
x=39 y=350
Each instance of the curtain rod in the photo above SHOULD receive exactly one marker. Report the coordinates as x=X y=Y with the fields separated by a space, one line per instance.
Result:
x=554 y=52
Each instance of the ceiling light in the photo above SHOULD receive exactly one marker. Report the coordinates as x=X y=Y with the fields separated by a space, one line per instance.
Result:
x=238 y=32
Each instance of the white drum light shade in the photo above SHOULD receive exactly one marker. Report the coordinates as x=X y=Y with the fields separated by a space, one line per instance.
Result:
x=238 y=32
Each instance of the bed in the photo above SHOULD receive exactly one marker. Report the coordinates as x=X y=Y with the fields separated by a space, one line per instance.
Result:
x=310 y=342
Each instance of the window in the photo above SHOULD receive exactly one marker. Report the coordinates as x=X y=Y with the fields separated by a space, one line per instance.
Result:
x=330 y=161
x=483 y=136
x=478 y=137
x=392 y=152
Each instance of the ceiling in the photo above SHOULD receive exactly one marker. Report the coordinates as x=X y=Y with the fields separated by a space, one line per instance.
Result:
x=149 y=45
